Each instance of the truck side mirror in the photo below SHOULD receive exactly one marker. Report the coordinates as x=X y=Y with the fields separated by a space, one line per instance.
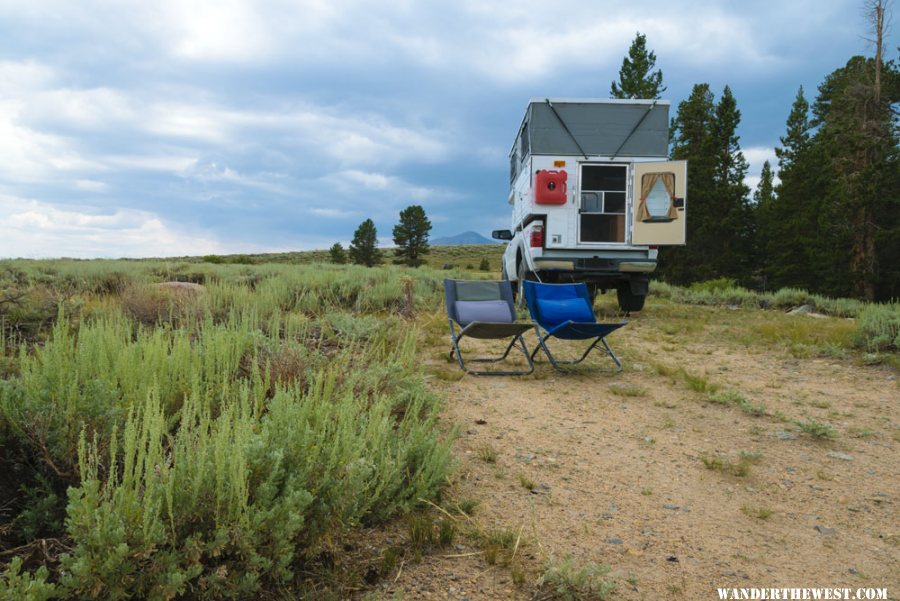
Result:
x=501 y=235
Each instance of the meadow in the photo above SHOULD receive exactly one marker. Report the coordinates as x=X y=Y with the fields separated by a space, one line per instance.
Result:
x=225 y=442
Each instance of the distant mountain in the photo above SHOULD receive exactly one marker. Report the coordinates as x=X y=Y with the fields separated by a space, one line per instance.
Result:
x=462 y=239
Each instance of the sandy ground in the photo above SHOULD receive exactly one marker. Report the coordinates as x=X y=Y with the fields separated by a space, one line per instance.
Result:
x=616 y=464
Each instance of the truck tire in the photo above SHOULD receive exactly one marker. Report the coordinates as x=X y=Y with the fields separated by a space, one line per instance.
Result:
x=519 y=288
x=628 y=301
x=515 y=284
x=593 y=291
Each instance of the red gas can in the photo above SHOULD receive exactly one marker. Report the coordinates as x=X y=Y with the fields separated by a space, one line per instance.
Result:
x=550 y=187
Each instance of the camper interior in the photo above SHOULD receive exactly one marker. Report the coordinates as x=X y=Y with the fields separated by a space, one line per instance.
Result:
x=602 y=211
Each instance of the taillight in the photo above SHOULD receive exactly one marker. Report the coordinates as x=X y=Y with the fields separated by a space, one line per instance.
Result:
x=537 y=236
x=653 y=247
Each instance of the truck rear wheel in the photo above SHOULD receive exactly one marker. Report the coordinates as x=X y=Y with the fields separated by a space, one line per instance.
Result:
x=593 y=291
x=628 y=301
x=519 y=288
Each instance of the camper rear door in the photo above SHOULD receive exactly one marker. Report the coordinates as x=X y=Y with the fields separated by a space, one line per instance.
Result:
x=659 y=210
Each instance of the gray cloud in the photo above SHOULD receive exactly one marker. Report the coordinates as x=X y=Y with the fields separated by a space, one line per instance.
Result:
x=229 y=125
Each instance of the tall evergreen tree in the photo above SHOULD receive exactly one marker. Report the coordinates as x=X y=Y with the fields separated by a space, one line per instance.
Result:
x=859 y=142
x=763 y=202
x=411 y=236
x=721 y=232
x=690 y=134
x=637 y=79
x=733 y=252
x=364 y=246
x=792 y=225
x=795 y=142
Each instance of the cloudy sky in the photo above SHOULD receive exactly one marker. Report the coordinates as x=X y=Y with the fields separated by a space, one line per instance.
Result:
x=179 y=127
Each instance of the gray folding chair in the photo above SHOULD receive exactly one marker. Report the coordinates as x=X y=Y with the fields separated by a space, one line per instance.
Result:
x=484 y=310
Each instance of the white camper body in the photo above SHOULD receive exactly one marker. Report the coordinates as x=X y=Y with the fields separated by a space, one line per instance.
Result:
x=593 y=195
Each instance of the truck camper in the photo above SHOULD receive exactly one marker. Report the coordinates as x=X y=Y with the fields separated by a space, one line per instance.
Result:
x=593 y=195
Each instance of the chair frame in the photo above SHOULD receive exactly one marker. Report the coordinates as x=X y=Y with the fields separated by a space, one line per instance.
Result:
x=529 y=288
x=472 y=327
x=457 y=352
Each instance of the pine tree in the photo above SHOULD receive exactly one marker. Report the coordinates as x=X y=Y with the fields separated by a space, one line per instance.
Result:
x=721 y=228
x=731 y=234
x=859 y=143
x=690 y=134
x=763 y=200
x=364 y=247
x=765 y=189
x=795 y=142
x=791 y=226
x=637 y=79
x=338 y=255
x=411 y=236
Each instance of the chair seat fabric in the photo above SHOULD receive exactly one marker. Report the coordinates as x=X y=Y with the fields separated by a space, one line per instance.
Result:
x=496 y=311
x=554 y=312
x=487 y=331
x=582 y=331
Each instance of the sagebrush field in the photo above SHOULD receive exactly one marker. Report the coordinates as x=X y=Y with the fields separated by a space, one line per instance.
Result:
x=285 y=430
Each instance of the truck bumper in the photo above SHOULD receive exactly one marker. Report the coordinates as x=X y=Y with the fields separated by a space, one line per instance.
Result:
x=637 y=266
x=594 y=265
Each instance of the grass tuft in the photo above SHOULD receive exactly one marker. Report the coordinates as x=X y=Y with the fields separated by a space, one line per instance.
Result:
x=721 y=464
x=627 y=390
x=817 y=430
x=760 y=513
x=487 y=453
x=527 y=482
x=563 y=580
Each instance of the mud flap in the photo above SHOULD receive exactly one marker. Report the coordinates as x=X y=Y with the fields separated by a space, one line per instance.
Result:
x=639 y=285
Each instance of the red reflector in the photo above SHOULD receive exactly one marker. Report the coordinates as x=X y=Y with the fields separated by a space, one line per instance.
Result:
x=653 y=247
x=537 y=237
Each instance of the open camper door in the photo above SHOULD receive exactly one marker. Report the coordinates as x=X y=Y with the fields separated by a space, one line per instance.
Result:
x=659 y=210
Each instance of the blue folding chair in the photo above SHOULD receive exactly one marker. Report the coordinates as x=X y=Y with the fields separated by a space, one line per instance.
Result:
x=564 y=311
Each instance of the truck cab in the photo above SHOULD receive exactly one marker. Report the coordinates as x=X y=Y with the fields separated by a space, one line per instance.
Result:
x=593 y=195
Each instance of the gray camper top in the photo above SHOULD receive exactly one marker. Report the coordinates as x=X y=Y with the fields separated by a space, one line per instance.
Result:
x=594 y=127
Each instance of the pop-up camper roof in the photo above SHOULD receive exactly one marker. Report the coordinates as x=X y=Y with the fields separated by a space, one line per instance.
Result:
x=631 y=128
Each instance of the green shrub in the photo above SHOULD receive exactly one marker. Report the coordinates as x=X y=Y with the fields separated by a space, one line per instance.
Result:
x=818 y=430
x=213 y=453
x=879 y=327
x=716 y=285
x=562 y=580
x=724 y=291
x=791 y=297
x=241 y=490
x=16 y=585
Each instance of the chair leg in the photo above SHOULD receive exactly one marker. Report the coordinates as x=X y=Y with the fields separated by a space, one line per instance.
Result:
x=500 y=358
x=455 y=347
x=612 y=354
x=558 y=363
x=509 y=347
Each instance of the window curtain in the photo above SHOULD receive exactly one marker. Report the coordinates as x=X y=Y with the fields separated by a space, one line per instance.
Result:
x=668 y=180
x=647 y=183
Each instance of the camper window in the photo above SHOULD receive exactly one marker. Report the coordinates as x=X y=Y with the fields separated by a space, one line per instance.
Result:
x=523 y=141
x=602 y=208
x=657 y=197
